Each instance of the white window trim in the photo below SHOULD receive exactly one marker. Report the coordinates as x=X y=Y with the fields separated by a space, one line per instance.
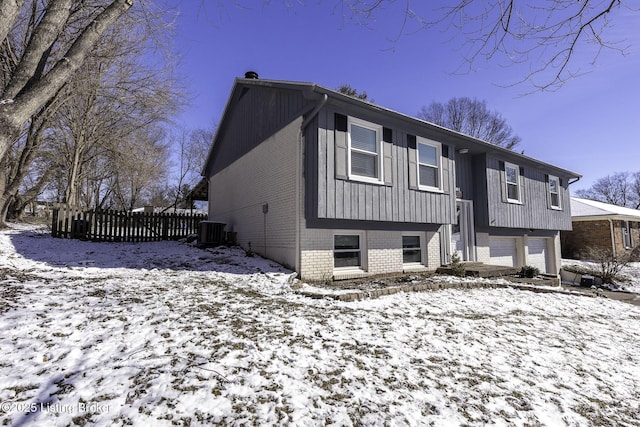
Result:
x=380 y=154
x=518 y=183
x=363 y=251
x=627 y=236
x=423 y=241
x=438 y=147
x=557 y=180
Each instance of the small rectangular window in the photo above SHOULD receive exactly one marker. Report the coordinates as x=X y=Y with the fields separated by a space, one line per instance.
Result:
x=365 y=157
x=627 y=238
x=429 y=164
x=411 y=250
x=346 y=251
x=512 y=181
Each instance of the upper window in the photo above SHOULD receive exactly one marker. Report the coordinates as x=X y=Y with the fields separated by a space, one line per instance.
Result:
x=554 y=192
x=365 y=146
x=512 y=182
x=429 y=164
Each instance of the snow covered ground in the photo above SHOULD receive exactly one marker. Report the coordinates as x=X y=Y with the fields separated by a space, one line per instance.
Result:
x=167 y=334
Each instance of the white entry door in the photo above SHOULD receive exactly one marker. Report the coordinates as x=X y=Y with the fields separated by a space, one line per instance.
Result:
x=463 y=232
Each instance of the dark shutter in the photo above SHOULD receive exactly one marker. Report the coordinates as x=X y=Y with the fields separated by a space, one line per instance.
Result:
x=341 y=148
x=522 y=182
x=412 y=152
x=387 y=152
x=445 y=151
x=547 y=190
x=503 y=181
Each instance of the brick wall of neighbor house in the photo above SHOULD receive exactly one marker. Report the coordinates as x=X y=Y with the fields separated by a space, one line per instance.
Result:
x=381 y=253
x=271 y=233
x=585 y=234
x=596 y=234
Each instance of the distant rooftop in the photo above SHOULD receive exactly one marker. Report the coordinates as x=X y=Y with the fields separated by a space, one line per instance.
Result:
x=583 y=208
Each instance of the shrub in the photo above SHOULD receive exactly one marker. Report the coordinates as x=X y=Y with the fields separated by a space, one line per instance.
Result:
x=609 y=265
x=529 y=271
x=457 y=267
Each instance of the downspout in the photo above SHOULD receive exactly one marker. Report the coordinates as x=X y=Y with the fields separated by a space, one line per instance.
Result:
x=613 y=237
x=299 y=155
x=314 y=112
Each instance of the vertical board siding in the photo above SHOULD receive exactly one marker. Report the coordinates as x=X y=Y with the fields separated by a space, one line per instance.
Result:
x=349 y=199
x=259 y=113
x=533 y=213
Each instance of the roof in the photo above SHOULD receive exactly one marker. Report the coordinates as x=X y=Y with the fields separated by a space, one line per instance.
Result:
x=585 y=209
x=314 y=92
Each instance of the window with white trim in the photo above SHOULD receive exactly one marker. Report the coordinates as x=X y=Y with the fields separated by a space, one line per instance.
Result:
x=627 y=238
x=365 y=150
x=411 y=249
x=512 y=182
x=429 y=165
x=554 y=192
x=347 y=252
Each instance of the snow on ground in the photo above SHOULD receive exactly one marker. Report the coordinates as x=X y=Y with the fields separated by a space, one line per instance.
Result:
x=630 y=275
x=167 y=334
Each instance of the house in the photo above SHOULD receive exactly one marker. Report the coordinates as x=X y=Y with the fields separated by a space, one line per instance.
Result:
x=600 y=225
x=335 y=187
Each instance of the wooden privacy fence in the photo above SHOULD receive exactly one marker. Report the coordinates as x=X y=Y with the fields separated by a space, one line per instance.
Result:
x=120 y=226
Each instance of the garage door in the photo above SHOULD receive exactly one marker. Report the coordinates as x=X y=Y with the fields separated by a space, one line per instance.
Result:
x=502 y=251
x=537 y=254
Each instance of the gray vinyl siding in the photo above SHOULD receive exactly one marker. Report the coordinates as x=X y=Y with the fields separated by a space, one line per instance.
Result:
x=465 y=177
x=534 y=212
x=331 y=197
x=259 y=113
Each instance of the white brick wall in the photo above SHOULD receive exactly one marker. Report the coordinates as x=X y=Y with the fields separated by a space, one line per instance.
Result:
x=483 y=254
x=433 y=251
x=382 y=253
x=265 y=175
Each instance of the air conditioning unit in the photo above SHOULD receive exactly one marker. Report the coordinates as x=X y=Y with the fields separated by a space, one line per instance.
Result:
x=211 y=233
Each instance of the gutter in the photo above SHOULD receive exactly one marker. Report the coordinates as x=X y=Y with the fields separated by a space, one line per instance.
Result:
x=573 y=182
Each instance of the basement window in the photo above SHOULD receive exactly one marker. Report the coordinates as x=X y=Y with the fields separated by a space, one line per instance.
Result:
x=411 y=250
x=346 y=251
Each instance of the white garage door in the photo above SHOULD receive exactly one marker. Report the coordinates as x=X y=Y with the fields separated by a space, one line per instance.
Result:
x=502 y=251
x=537 y=254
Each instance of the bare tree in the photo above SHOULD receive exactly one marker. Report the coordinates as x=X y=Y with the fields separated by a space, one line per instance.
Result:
x=45 y=43
x=191 y=149
x=620 y=188
x=558 y=39
x=471 y=117
x=141 y=162
x=112 y=94
x=349 y=91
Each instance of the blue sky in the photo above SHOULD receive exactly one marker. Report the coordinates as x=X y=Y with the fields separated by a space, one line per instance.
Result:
x=590 y=126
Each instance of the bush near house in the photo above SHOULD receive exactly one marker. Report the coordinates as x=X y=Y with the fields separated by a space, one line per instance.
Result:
x=609 y=265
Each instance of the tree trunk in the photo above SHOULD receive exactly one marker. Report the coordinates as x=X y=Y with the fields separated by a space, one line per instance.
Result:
x=9 y=11
x=15 y=112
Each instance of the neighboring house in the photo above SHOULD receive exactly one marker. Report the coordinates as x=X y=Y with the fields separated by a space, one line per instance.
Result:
x=600 y=225
x=336 y=187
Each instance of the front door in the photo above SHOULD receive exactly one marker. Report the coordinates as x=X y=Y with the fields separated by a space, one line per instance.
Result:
x=463 y=232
